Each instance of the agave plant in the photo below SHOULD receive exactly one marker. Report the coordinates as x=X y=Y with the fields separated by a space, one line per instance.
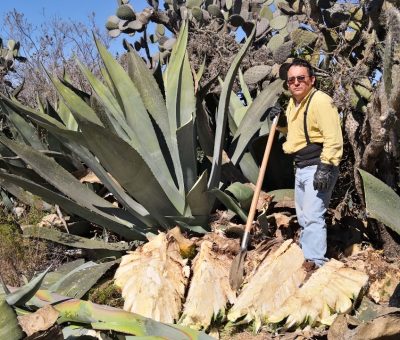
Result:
x=139 y=142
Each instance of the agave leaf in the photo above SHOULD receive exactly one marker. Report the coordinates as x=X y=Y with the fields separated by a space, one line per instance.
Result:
x=130 y=204
x=209 y=290
x=25 y=196
x=230 y=203
x=25 y=293
x=72 y=240
x=77 y=282
x=251 y=121
x=249 y=167
x=66 y=116
x=382 y=202
x=114 y=111
x=243 y=194
x=61 y=179
x=78 y=106
x=9 y=327
x=155 y=104
x=187 y=109
x=108 y=318
x=37 y=115
x=275 y=280
x=221 y=115
x=245 y=89
x=64 y=269
x=97 y=216
x=25 y=129
x=197 y=197
x=186 y=145
x=203 y=128
x=152 y=279
x=200 y=71
x=172 y=80
x=138 y=119
x=336 y=285
x=131 y=172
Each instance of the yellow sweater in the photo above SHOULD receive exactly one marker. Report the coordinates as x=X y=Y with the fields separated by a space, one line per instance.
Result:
x=323 y=126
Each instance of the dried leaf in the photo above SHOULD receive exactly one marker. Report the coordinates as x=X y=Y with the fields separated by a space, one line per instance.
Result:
x=275 y=280
x=209 y=290
x=41 y=320
x=152 y=279
x=90 y=177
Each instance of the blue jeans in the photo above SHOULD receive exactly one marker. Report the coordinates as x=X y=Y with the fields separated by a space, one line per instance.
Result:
x=311 y=206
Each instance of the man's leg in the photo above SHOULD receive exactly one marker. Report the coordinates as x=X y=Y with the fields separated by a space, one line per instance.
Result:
x=313 y=206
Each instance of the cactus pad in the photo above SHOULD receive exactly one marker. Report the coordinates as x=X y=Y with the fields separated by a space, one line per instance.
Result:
x=257 y=73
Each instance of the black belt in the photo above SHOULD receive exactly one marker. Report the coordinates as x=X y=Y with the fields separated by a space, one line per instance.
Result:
x=309 y=155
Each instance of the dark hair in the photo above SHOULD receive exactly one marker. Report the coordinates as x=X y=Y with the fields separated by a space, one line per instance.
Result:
x=302 y=63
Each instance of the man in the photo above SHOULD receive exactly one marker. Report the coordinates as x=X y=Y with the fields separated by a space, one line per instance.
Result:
x=314 y=136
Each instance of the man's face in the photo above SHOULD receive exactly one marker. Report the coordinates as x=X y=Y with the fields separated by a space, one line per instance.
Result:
x=299 y=82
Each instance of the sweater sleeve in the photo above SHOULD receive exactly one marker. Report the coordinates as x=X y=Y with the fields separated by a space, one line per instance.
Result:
x=328 y=122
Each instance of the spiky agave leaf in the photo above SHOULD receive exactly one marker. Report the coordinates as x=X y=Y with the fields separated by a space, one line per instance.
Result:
x=275 y=280
x=209 y=290
x=152 y=279
x=329 y=290
x=102 y=317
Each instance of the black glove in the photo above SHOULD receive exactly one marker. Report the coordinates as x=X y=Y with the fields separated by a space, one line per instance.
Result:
x=323 y=177
x=276 y=110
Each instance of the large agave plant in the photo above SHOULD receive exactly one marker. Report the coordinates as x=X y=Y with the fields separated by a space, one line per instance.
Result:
x=139 y=142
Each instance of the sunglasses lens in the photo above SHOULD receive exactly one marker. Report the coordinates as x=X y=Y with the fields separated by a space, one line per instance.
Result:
x=292 y=80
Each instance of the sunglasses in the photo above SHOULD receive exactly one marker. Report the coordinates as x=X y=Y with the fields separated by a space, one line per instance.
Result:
x=300 y=79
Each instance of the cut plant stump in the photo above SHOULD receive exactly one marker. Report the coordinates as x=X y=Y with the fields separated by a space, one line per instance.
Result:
x=153 y=279
x=209 y=289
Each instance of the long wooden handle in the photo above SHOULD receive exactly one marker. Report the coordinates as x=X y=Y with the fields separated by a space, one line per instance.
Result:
x=257 y=190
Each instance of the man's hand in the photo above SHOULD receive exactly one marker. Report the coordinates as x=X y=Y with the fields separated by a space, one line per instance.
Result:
x=274 y=111
x=277 y=110
x=323 y=176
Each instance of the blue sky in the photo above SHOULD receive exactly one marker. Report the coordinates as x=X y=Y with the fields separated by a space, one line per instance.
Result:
x=39 y=11
x=36 y=11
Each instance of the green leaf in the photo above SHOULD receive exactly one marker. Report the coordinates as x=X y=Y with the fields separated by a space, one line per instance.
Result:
x=186 y=145
x=222 y=114
x=382 y=203
x=243 y=194
x=245 y=89
x=130 y=204
x=56 y=175
x=78 y=107
x=66 y=116
x=25 y=129
x=9 y=326
x=252 y=120
x=173 y=81
x=136 y=115
x=72 y=240
x=197 y=197
x=131 y=171
x=77 y=282
x=230 y=203
x=249 y=167
x=111 y=105
x=281 y=194
x=37 y=115
x=155 y=104
x=25 y=293
x=97 y=216
x=61 y=271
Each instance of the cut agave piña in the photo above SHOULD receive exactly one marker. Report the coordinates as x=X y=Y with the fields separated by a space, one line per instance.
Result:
x=329 y=291
x=153 y=279
x=276 y=279
x=209 y=290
